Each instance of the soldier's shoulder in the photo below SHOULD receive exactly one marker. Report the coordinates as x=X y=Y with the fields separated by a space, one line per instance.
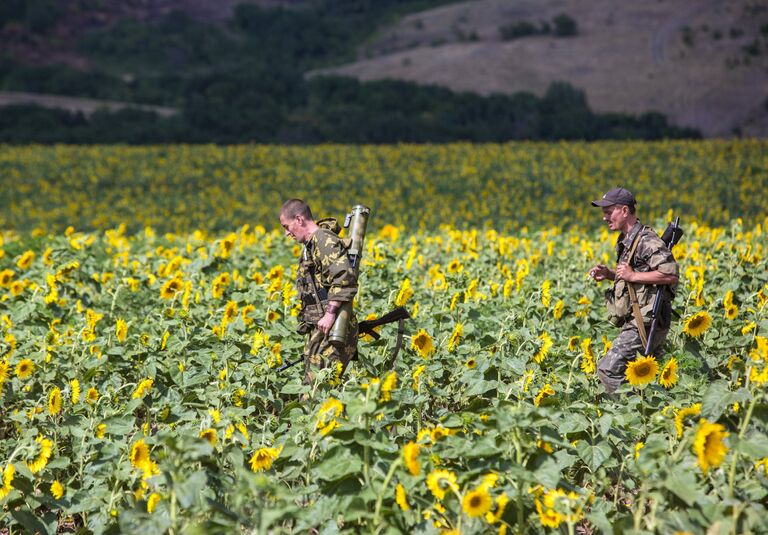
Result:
x=649 y=236
x=325 y=239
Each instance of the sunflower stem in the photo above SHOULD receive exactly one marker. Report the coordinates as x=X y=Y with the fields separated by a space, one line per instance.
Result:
x=519 y=504
x=383 y=489
x=742 y=432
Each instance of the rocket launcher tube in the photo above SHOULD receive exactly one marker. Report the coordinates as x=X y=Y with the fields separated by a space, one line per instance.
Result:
x=356 y=221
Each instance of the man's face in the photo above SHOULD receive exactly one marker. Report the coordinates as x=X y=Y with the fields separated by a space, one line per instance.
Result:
x=294 y=227
x=615 y=215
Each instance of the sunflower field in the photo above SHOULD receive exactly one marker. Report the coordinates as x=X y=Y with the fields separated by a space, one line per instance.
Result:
x=147 y=302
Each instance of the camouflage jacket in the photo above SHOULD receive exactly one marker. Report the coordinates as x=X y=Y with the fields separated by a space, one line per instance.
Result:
x=650 y=255
x=325 y=260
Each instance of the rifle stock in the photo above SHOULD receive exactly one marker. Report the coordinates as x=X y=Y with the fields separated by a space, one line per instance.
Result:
x=671 y=236
x=367 y=326
x=364 y=327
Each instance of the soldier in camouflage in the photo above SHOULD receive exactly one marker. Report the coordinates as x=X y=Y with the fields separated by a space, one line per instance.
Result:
x=651 y=264
x=324 y=280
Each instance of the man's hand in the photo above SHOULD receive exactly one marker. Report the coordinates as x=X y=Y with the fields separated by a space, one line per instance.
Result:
x=601 y=272
x=326 y=322
x=625 y=272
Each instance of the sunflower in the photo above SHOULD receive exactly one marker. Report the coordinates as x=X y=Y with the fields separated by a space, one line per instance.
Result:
x=401 y=498
x=170 y=288
x=404 y=293
x=476 y=503
x=641 y=371
x=454 y=267
x=326 y=416
x=46 y=449
x=142 y=388
x=139 y=455
x=92 y=396
x=501 y=504
x=681 y=414
x=272 y=315
x=74 y=388
x=697 y=324
x=543 y=348
x=731 y=312
x=387 y=385
x=7 y=486
x=4 y=367
x=438 y=433
x=573 y=342
x=230 y=311
x=17 y=287
x=545 y=391
x=471 y=364
x=210 y=435
x=708 y=445
x=546 y=293
x=6 y=277
x=152 y=501
x=588 y=356
x=422 y=344
x=416 y=377
x=25 y=368
x=668 y=376
x=439 y=481
x=25 y=260
x=121 y=330
x=557 y=311
x=57 y=489
x=262 y=458
x=456 y=335
x=100 y=430
x=54 y=401
x=411 y=458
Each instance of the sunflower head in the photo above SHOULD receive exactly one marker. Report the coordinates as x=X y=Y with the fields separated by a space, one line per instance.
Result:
x=697 y=324
x=708 y=445
x=422 y=343
x=476 y=502
x=641 y=371
x=668 y=376
x=25 y=368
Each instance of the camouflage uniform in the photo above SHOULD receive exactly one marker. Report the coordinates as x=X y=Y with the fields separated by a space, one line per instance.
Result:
x=325 y=260
x=650 y=255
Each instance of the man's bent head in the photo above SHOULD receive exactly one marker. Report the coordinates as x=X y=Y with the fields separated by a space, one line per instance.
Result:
x=296 y=219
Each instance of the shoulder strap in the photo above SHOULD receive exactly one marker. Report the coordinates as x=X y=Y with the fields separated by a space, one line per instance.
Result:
x=311 y=270
x=633 y=295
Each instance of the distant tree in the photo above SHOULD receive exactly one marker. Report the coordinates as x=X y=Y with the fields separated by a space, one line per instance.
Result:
x=519 y=29
x=565 y=25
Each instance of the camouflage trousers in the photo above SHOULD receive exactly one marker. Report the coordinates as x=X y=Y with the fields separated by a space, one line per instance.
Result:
x=319 y=353
x=612 y=367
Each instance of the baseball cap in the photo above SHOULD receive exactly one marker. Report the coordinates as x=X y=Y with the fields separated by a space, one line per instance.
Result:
x=616 y=196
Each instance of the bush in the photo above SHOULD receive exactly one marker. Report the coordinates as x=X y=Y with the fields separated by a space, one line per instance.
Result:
x=518 y=29
x=565 y=25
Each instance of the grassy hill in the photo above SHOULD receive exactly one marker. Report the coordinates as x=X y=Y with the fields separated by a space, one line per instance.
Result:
x=703 y=64
x=476 y=71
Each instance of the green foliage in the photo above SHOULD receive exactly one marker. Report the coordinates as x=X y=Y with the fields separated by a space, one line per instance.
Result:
x=565 y=25
x=473 y=407
x=244 y=82
x=518 y=29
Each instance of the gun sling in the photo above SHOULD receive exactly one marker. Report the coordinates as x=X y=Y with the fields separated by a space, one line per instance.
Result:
x=633 y=297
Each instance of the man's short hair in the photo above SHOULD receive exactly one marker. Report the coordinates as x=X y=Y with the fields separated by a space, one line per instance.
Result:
x=293 y=207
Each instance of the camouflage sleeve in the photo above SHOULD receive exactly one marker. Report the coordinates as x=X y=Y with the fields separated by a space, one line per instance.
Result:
x=336 y=275
x=652 y=252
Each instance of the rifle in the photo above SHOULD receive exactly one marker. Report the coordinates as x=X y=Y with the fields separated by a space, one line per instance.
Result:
x=400 y=314
x=671 y=236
